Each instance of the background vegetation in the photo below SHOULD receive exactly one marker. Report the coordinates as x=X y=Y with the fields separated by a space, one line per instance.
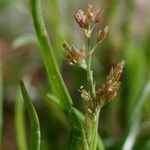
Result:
x=126 y=118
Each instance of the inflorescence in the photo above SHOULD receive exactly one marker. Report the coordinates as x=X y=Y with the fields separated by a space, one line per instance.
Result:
x=87 y=19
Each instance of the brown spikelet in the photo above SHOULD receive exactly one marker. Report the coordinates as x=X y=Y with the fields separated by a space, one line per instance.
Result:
x=80 y=17
x=89 y=104
x=87 y=16
x=75 y=56
x=98 y=15
x=102 y=34
x=110 y=88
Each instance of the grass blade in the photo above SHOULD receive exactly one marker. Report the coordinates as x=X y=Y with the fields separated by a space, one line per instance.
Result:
x=100 y=145
x=54 y=99
x=35 y=125
x=48 y=56
x=24 y=40
x=19 y=122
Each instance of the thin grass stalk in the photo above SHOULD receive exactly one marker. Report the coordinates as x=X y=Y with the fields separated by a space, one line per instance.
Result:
x=89 y=71
x=100 y=144
x=19 y=122
x=35 y=138
x=1 y=103
x=91 y=124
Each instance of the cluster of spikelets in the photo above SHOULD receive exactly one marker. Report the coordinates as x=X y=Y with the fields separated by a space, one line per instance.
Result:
x=87 y=16
x=87 y=19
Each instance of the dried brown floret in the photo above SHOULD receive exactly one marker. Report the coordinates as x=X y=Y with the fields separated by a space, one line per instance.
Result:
x=75 y=56
x=89 y=104
x=102 y=34
x=89 y=12
x=80 y=17
x=98 y=15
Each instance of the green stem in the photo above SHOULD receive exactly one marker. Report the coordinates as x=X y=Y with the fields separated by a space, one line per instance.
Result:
x=53 y=70
x=1 y=103
x=100 y=145
x=94 y=134
x=91 y=127
x=91 y=120
x=89 y=71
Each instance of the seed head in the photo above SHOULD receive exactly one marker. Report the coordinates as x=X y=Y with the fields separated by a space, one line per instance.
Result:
x=87 y=16
x=109 y=89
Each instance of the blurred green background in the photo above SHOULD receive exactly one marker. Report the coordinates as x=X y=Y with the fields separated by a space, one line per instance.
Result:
x=128 y=39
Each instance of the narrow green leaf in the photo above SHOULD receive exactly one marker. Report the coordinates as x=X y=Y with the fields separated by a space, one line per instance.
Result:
x=57 y=101
x=19 y=122
x=24 y=40
x=54 y=99
x=72 y=140
x=48 y=56
x=35 y=125
x=100 y=145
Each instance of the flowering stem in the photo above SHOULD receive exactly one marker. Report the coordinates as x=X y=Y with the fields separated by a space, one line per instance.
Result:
x=89 y=71
x=95 y=47
x=91 y=127
x=91 y=120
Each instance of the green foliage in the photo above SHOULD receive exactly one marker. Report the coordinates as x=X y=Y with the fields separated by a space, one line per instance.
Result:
x=19 y=122
x=35 y=126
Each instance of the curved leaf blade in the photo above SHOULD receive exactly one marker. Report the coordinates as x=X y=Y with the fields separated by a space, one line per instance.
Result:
x=35 y=125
